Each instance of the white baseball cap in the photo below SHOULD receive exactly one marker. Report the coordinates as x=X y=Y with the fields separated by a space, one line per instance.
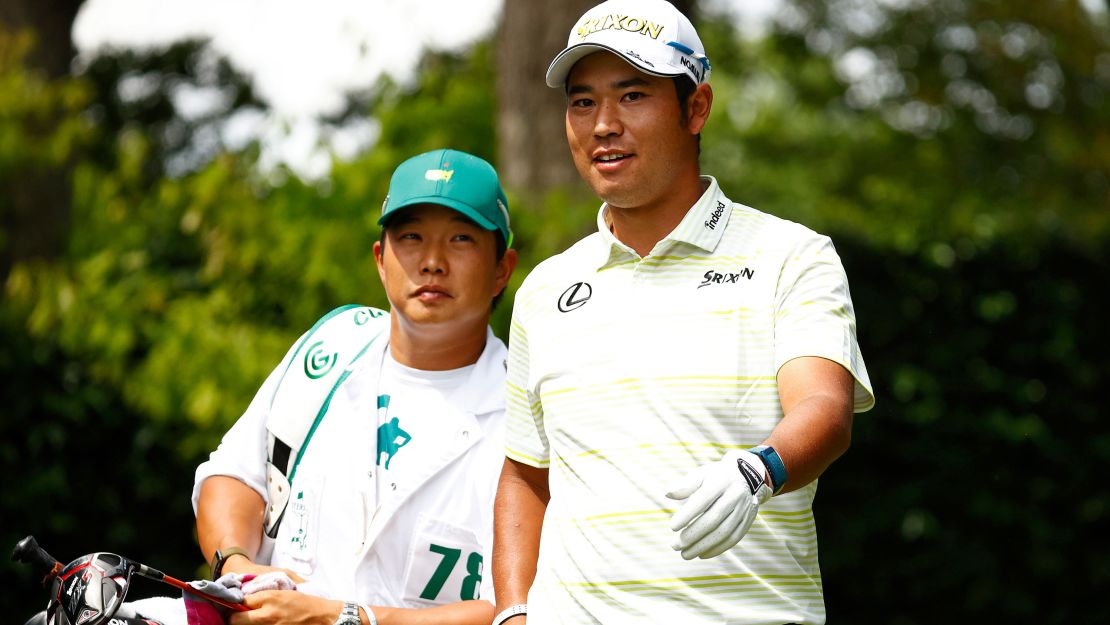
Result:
x=652 y=35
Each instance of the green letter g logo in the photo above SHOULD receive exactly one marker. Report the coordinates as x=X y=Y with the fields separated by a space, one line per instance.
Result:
x=317 y=364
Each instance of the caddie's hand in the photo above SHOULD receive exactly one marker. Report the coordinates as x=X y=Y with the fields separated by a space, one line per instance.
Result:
x=239 y=564
x=721 y=501
x=287 y=607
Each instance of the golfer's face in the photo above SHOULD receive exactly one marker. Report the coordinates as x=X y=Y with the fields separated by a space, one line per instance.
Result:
x=625 y=130
x=439 y=267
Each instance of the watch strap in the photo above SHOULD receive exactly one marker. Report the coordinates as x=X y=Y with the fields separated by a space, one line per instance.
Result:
x=369 y=614
x=510 y=612
x=774 y=464
x=221 y=556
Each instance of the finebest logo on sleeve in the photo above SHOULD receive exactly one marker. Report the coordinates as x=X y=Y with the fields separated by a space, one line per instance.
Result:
x=618 y=22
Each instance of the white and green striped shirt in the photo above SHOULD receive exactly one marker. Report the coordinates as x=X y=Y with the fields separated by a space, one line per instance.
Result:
x=626 y=373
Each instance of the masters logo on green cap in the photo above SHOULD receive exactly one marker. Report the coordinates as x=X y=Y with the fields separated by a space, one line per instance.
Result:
x=457 y=180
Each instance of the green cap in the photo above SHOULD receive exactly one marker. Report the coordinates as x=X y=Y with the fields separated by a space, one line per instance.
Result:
x=454 y=179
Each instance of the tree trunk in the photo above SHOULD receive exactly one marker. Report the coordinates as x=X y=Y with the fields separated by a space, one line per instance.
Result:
x=531 y=139
x=52 y=21
x=37 y=218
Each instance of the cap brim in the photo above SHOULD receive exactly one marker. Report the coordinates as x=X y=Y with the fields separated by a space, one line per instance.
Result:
x=439 y=200
x=560 y=68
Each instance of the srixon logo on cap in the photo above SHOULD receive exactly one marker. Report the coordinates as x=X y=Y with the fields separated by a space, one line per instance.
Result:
x=618 y=22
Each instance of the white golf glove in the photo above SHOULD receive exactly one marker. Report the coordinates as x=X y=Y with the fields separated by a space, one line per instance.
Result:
x=721 y=501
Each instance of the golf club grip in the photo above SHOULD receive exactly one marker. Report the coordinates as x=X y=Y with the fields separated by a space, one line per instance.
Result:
x=28 y=551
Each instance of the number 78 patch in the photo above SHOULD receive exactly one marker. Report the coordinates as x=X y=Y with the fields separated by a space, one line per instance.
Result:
x=445 y=565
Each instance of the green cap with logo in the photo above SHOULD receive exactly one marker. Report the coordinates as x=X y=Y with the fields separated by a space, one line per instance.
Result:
x=454 y=179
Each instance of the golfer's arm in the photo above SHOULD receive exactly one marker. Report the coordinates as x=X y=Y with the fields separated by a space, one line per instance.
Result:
x=522 y=496
x=229 y=514
x=816 y=428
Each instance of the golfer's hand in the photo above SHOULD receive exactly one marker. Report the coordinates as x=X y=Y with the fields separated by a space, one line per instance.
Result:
x=288 y=607
x=721 y=500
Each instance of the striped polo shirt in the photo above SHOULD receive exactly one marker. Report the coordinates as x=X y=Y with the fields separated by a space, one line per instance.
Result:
x=625 y=373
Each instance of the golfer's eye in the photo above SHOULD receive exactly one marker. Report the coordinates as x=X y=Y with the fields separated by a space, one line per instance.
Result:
x=581 y=102
x=633 y=96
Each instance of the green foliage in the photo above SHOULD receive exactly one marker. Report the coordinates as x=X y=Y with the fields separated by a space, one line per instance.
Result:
x=137 y=93
x=38 y=128
x=39 y=132
x=973 y=491
x=969 y=123
x=451 y=106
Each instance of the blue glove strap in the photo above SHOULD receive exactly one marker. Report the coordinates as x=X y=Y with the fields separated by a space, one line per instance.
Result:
x=774 y=466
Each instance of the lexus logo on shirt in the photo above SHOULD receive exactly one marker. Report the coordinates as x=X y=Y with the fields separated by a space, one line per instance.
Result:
x=575 y=297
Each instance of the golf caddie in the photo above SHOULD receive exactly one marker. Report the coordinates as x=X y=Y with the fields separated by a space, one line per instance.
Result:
x=365 y=467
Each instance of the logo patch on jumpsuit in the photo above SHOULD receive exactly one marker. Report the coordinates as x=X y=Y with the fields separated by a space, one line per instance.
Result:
x=391 y=438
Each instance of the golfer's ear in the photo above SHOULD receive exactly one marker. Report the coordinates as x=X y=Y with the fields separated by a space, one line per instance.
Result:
x=700 y=103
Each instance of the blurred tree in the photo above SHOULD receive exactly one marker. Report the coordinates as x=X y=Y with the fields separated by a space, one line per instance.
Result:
x=933 y=127
x=531 y=139
x=181 y=99
x=37 y=207
x=34 y=202
x=52 y=20
x=973 y=492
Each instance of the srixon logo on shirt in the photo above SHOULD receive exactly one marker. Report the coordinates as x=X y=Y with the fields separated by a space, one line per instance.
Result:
x=715 y=216
x=716 y=277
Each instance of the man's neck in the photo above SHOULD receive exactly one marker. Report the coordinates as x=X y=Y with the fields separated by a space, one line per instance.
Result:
x=435 y=348
x=642 y=227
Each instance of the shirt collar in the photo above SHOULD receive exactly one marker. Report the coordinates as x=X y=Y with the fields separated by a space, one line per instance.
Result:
x=479 y=395
x=702 y=226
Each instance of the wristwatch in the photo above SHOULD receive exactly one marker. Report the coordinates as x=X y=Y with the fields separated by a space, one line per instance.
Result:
x=349 y=615
x=221 y=556
x=774 y=465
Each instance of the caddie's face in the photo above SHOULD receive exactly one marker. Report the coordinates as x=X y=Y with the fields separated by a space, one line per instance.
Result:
x=439 y=268
x=626 y=132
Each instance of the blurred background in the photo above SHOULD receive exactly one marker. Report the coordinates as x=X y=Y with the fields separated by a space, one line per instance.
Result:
x=186 y=186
